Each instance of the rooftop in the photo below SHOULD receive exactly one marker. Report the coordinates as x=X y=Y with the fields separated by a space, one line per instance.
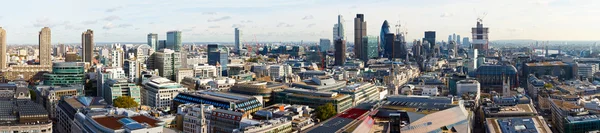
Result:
x=518 y=124
x=119 y=122
x=553 y=63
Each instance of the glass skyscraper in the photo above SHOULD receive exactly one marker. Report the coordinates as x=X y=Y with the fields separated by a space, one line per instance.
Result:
x=385 y=28
x=370 y=48
x=218 y=54
x=174 y=40
x=153 y=41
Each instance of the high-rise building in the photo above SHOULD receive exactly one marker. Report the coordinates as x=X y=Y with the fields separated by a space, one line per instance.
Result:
x=3 y=44
x=153 y=41
x=370 y=48
x=87 y=43
x=338 y=29
x=389 y=46
x=480 y=37
x=167 y=62
x=360 y=30
x=159 y=92
x=450 y=38
x=324 y=45
x=385 y=28
x=174 y=40
x=162 y=44
x=430 y=38
x=466 y=43
x=45 y=46
x=400 y=50
x=117 y=56
x=63 y=50
x=458 y=40
x=454 y=37
x=65 y=73
x=340 y=52
x=218 y=54
x=238 y=46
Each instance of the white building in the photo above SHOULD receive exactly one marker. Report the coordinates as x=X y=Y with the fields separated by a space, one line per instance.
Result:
x=159 y=92
x=278 y=71
x=117 y=56
x=586 y=70
x=468 y=86
x=204 y=70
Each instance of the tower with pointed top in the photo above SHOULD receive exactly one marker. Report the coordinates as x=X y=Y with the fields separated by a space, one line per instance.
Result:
x=505 y=86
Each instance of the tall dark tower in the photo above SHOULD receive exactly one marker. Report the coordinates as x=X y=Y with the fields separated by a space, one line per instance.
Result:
x=360 y=30
x=87 y=42
x=340 y=52
x=429 y=37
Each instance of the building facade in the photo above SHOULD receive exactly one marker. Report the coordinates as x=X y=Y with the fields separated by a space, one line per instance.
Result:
x=87 y=42
x=173 y=40
x=159 y=92
x=45 y=46
x=66 y=73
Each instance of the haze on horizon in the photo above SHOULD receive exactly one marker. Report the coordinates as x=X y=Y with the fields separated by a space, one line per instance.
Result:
x=284 y=20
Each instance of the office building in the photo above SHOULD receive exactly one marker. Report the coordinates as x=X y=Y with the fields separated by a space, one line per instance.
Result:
x=457 y=40
x=324 y=45
x=244 y=104
x=314 y=99
x=167 y=62
x=162 y=44
x=569 y=117
x=259 y=88
x=388 y=49
x=586 y=71
x=340 y=52
x=153 y=41
x=87 y=44
x=45 y=45
x=370 y=48
x=173 y=40
x=24 y=116
x=280 y=71
x=554 y=68
x=218 y=54
x=430 y=38
x=238 y=45
x=492 y=75
x=338 y=29
x=360 y=92
x=132 y=69
x=320 y=83
x=468 y=86
x=184 y=72
x=466 y=43
x=49 y=96
x=480 y=36
x=65 y=73
x=205 y=71
x=117 y=121
x=385 y=29
x=115 y=88
x=117 y=56
x=159 y=92
x=3 y=61
x=360 y=30
x=69 y=106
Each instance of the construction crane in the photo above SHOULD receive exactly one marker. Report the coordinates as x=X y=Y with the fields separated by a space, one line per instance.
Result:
x=480 y=18
x=256 y=44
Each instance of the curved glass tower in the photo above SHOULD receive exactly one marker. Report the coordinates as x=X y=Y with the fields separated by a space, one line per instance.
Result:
x=385 y=28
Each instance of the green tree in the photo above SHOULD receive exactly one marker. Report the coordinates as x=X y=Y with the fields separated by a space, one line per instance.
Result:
x=125 y=102
x=326 y=111
x=33 y=95
x=548 y=85
x=271 y=59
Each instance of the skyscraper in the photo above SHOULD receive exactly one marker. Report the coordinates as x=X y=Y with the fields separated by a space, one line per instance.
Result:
x=162 y=44
x=453 y=37
x=338 y=29
x=153 y=41
x=87 y=43
x=174 y=40
x=480 y=37
x=3 y=60
x=324 y=45
x=340 y=52
x=370 y=48
x=458 y=40
x=429 y=37
x=360 y=30
x=400 y=50
x=449 y=38
x=385 y=28
x=466 y=43
x=238 y=46
x=218 y=56
x=45 y=46
x=389 y=46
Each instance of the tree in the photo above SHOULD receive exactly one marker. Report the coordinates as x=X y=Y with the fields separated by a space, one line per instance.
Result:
x=33 y=95
x=271 y=59
x=326 y=111
x=125 y=102
x=548 y=85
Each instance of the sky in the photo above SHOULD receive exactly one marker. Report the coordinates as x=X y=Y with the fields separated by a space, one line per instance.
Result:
x=294 y=20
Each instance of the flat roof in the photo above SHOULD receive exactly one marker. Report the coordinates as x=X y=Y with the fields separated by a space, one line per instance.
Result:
x=113 y=122
x=552 y=63
x=534 y=124
x=565 y=105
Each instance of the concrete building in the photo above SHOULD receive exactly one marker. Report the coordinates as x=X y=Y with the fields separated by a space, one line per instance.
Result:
x=184 y=72
x=167 y=62
x=159 y=92
x=568 y=117
x=259 y=88
x=480 y=37
x=117 y=121
x=49 y=96
x=230 y=101
x=555 y=68
x=534 y=85
x=314 y=99
x=87 y=44
x=321 y=83
x=3 y=58
x=360 y=92
x=279 y=71
x=194 y=117
x=69 y=106
x=324 y=45
x=468 y=87
x=586 y=71
x=218 y=56
x=45 y=46
x=238 y=45
x=21 y=116
x=360 y=30
x=132 y=69
x=174 y=41
x=205 y=71
x=114 y=88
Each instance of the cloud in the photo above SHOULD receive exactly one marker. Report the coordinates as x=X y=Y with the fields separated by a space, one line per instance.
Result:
x=46 y=22
x=237 y=26
x=111 y=18
x=353 y=7
x=446 y=15
x=113 y=9
x=209 y=13
x=89 y=22
x=108 y=26
x=311 y=25
x=219 y=19
x=284 y=25
x=246 y=21
x=124 y=25
x=307 y=17
x=214 y=27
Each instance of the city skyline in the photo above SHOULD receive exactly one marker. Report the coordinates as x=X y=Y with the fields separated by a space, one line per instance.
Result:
x=274 y=20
